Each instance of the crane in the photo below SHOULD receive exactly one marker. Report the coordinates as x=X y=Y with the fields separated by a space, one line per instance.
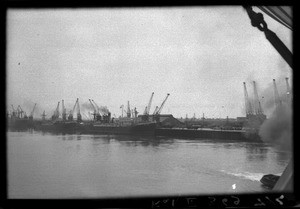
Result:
x=20 y=111
x=162 y=105
x=94 y=108
x=128 y=110
x=149 y=104
x=98 y=116
x=31 y=114
x=249 y=111
x=64 y=114
x=257 y=105
x=145 y=111
x=71 y=113
x=122 y=109
x=154 y=112
x=56 y=112
x=159 y=109
x=79 y=118
x=135 y=112
x=145 y=116
x=14 y=111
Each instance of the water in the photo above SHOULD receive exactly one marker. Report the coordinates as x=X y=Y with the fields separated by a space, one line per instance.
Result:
x=93 y=166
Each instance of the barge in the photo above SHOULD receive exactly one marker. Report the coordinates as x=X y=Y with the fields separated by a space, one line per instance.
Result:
x=241 y=135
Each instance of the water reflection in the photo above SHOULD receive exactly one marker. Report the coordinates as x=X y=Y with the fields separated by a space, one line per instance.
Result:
x=255 y=151
x=143 y=141
x=282 y=157
x=105 y=139
x=115 y=164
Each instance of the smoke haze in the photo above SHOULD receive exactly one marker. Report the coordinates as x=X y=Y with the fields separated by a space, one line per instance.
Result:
x=278 y=128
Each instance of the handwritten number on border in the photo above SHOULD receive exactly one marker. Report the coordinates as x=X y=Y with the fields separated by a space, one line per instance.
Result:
x=277 y=199
x=212 y=200
x=236 y=202
x=260 y=203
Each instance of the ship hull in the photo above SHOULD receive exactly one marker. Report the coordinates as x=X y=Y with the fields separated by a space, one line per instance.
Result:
x=19 y=124
x=93 y=128
x=136 y=129
x=63 y=127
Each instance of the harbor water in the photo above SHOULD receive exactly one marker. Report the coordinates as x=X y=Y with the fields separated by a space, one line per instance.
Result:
x=43 y=165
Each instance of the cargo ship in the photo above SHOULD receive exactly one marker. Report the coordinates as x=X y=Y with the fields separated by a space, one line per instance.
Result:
x=17 y=119
x=19 y=124
x=58 y=127
x=119 y=128
x=96 y=127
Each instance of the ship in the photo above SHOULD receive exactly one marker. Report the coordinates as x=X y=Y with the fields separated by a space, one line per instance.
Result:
x=140 y=128
x=123 y=126
x=19 y=124
x=17 y=119
x=68 y=127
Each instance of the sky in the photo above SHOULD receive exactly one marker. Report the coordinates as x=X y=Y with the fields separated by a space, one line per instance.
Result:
x=199 y=55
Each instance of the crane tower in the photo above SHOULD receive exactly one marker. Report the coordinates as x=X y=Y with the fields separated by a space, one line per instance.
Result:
x=249 y=110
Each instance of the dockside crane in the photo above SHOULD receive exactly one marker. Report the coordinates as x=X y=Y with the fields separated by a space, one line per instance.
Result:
x=122 y=109
x=79 y=118
x=64 y=111
x=155 y=110
x=149 y=104
x=258 y=109
x=95 y=111
x=147 y=109
x=162 y=105
x=71 y=113
x=56 y=112
x=157 y=113
x=31 y=114
x=20 y=111
x=98 y=116
x=278 y=102
x=249 y=110
x=135 y=113
x=257 y=104
x=105 y=115
x=128 y=110
x=14 y=112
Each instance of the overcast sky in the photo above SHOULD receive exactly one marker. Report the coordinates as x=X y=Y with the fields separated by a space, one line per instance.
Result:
x=200 y=55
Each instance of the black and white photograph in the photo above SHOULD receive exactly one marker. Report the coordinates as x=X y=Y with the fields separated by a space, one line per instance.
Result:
x=117 y=102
